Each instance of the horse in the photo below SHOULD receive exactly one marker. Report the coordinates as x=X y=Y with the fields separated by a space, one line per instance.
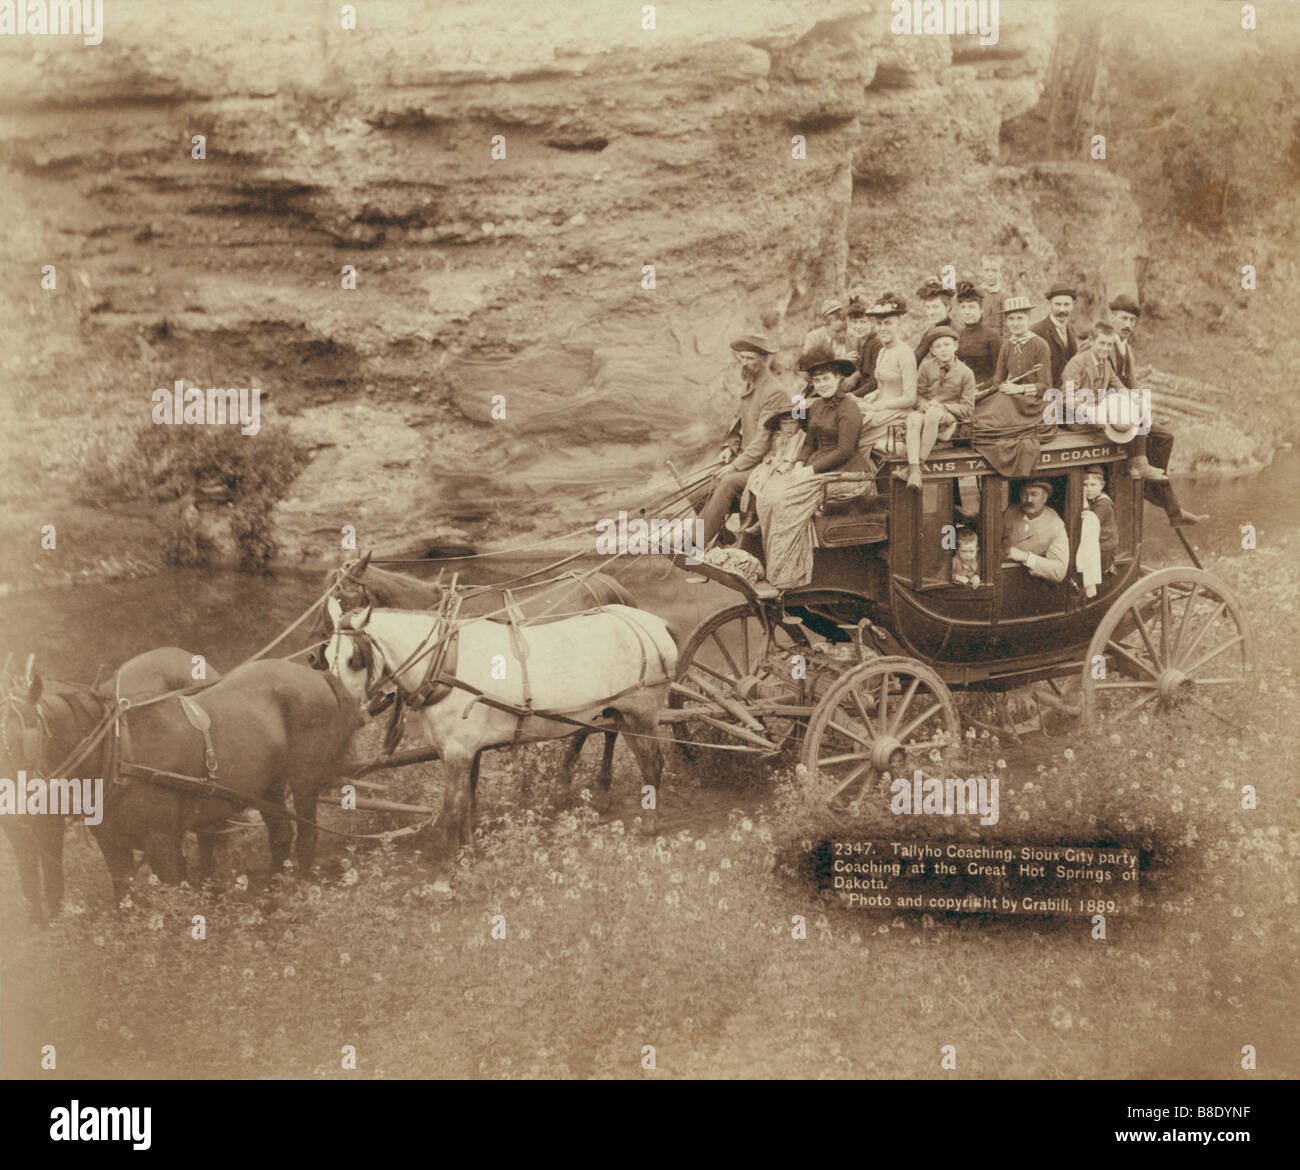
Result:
x=614 y=662
x=270 y=727
x=41 y=726
x=358 y=583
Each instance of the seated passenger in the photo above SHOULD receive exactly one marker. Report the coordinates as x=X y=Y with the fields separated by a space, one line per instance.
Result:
x=1034 y=535
x=966 y=560
x=787 y=499
x=1159 y=442
x=937 y=301
x=781 y=456
x=945 y=396
x=761 y=396
x=979 y=343
x=1093 y=369
x=863 y=345
x=1024 y=359
x=833 y=330
x=894 y=374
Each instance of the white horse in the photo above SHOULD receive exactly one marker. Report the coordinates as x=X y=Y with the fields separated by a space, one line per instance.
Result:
x=613 y=662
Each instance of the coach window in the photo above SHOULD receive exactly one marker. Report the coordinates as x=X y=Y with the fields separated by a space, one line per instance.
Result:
x=944 y=527
x=1125 y=494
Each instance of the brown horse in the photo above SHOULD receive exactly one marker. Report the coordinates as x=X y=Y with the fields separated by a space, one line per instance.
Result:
x=275 y=727
x=42 y=725
x=357 y=584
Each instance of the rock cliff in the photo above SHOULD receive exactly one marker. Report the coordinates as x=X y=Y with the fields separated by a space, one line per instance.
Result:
x=519 y=272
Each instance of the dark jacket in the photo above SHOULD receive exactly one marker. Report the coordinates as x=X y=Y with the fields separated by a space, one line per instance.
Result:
x=1060 y=354
x=1108 y=539
x=978 y=348
x=1126 y=366
x=864 y=382
x=833 y=426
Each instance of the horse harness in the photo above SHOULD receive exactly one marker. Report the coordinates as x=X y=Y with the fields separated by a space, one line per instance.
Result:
x=439 y=678
x=32 y=737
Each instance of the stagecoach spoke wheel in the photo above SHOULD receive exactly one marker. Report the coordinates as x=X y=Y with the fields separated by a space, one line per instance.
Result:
x=888 y=716
x=1174 y=640
x=732 y=663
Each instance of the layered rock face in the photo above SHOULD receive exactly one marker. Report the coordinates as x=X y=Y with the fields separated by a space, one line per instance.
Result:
x=501 y=179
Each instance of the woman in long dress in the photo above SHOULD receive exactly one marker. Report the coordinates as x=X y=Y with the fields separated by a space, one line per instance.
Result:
x=787 y=497
x=895 y=375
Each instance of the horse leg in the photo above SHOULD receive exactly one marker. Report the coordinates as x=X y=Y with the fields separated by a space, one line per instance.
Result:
x=642 y=724
x=49 y=840
x=120 y=859
x=572 y=750
x=27 y=855
x=279 y=828
x=607 y=761
x=473 y=793
x=454 y=818
x=166 y=857
x=305 y=806
x=207 y=853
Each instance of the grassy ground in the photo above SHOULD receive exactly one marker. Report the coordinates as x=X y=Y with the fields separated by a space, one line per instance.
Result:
x=613 y=942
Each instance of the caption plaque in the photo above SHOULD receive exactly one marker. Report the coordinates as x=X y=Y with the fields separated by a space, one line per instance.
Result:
x=966 y=877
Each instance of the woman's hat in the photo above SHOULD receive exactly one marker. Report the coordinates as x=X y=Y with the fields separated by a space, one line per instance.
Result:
x=820 y=356
x=933 y=287
x=968 y=292
x=753 y=343
x=1017 y=305
x=889 y=305
x=1118 y=418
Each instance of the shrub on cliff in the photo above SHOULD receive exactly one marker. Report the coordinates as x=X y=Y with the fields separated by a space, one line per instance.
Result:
x=250 y=472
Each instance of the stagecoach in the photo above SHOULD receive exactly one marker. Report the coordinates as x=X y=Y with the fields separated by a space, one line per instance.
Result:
x=859 y=671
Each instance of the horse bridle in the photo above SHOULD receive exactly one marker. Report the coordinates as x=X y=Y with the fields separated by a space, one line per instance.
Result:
x=34 y=736
x=366 y=654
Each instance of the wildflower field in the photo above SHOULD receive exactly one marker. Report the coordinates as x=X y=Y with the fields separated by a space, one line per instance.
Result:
x=574 y=946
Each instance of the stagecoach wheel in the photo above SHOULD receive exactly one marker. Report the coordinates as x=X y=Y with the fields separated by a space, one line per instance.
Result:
x=731 y=654
x=1174 y=640
x=890 y=715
